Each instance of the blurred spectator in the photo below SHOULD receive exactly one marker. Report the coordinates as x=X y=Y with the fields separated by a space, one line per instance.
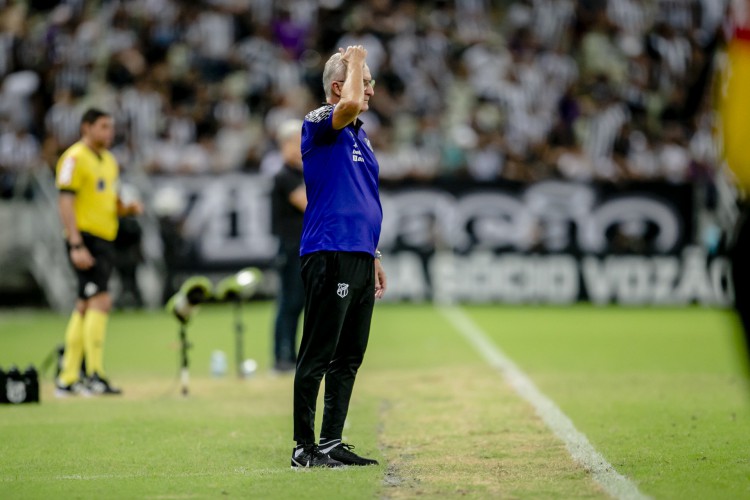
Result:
x=62 y=122
x=520 y=90
x=19 y=155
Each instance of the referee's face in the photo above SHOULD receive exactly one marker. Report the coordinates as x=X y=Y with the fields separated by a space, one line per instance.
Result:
x=101 y=132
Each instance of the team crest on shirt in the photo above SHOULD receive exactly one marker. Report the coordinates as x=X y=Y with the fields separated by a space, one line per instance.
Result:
x=343 y=290
x=367 y=141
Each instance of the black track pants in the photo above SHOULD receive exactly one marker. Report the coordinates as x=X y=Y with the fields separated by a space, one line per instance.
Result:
x=339 y=298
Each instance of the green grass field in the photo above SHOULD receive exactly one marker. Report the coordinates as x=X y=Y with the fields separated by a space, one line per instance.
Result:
x=661 y=394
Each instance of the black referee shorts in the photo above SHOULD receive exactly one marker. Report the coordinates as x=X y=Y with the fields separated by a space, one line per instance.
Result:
x=95 y=280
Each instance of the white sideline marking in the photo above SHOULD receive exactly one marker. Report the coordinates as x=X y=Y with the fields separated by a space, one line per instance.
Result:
x=578 y=445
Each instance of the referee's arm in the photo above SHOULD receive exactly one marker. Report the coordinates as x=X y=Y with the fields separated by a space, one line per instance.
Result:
x=79 y=254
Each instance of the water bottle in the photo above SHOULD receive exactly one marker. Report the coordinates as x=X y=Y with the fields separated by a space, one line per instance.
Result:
x=218 y=363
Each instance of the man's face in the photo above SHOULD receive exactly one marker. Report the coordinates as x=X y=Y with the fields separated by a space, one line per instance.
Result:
x=101 y=133
x=368 y=85
x=369 y=90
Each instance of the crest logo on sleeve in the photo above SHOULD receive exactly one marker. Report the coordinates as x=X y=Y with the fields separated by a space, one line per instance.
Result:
x=65 y=177
x=343 y=290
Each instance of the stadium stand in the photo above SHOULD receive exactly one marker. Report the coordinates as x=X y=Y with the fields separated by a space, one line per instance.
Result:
x=527 y=90
x=521 y=90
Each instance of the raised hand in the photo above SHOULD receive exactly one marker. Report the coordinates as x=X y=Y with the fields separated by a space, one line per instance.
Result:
x=353 y=53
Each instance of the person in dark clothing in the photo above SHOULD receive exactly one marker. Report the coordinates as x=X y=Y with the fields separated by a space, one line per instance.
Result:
x=127 y=256
x=341 y=268
x=288 y=202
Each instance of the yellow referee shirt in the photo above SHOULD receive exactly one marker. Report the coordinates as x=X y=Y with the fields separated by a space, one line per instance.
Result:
x=93 y=178
x=735 y=109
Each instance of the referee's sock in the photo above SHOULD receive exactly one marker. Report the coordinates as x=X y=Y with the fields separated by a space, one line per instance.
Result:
x=71 y=364
x=94 y=330
x=326 y=444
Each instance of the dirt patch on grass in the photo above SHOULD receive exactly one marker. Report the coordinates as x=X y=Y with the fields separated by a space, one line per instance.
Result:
x=463 y=432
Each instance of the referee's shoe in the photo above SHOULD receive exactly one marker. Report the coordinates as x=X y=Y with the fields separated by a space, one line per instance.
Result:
x=343 y=453
x=74 y=389
x=99 y=385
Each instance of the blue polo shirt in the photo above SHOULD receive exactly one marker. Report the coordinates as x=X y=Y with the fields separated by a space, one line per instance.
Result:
x=341 y=176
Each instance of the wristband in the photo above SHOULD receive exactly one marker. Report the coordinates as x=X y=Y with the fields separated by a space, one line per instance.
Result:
x=378 y=255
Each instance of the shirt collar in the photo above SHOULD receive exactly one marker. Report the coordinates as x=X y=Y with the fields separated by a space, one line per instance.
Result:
x=357 y=122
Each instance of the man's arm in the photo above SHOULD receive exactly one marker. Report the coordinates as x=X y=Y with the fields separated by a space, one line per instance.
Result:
x=352 y=89
x=298 y=198
x=79 y=254
x=133 y=208
x=380 y=280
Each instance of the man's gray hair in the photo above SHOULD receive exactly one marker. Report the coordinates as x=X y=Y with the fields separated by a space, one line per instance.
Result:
x=335 y=69
x=288 y=129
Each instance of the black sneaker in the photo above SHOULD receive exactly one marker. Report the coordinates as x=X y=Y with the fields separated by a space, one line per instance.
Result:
x=342 y=453
x=74 y=389
x=100 y=385
x=311 y=456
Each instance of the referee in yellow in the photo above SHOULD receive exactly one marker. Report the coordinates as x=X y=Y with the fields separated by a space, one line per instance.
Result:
x=734 y=104
x=87 y=178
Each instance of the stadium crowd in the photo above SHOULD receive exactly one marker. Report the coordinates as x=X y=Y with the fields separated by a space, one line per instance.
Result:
x=525 y=90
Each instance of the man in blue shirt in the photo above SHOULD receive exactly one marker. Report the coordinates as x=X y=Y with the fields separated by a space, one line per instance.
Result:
x=341 y=267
